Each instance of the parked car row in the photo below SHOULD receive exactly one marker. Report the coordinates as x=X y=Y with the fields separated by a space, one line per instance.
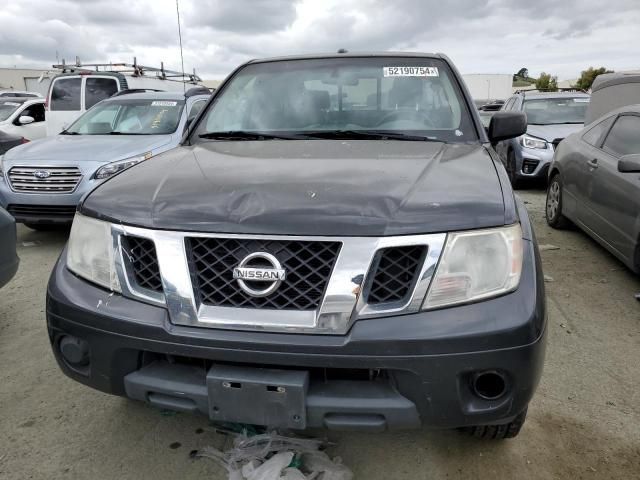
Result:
x=75 y=90
x=342 y=219
x=43 y=181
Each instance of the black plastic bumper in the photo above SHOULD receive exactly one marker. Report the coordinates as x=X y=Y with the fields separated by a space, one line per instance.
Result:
x=428 y=359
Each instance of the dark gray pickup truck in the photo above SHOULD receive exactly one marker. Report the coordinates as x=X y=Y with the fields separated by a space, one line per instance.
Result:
x=335 y=244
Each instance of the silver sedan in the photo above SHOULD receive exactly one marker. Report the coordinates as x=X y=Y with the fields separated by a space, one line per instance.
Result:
x=594 y=183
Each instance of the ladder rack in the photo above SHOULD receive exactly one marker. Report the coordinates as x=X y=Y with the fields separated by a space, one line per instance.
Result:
x=134 y=69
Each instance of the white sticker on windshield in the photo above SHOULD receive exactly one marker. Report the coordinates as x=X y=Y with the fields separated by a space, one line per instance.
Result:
x=581 y=100
x=12 y=104
x=411 y=72
x=163 y=103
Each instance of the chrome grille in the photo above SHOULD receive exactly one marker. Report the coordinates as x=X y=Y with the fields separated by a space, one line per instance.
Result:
x=51 y=179
x=144 y=261
x=395 y=273
x=308 y=265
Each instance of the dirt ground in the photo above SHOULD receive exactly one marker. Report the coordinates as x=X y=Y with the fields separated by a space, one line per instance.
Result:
x=584 y=421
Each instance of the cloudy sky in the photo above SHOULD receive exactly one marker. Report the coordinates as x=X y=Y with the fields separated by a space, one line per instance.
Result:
x=481 y=36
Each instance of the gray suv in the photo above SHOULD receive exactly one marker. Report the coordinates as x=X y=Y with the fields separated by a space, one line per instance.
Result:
x=42 y=182
x=551 y=116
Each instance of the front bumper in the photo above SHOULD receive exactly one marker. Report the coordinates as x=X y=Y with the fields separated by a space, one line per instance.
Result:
x=385 y=373
x=533 y=162
x=39 y=208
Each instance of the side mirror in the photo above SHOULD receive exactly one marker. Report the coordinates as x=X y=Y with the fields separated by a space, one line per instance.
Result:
x=26 y=120
x=629 y=163
x=506 y=125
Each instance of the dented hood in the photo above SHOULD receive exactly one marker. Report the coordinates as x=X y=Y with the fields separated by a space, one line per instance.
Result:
x=307 y=187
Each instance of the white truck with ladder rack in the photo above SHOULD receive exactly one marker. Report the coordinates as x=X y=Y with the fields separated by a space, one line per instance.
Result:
x=80 y=86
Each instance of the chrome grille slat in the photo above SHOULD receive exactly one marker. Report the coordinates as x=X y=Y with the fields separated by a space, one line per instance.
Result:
x=60 y=179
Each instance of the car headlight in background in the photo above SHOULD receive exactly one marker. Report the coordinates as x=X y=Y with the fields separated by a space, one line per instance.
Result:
x=90 y=252
x=528 y=141
x=116 y=167
x=477 y=264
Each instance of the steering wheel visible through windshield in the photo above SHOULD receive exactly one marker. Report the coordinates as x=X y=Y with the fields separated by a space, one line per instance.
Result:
x=129 y=117
x=351 y=97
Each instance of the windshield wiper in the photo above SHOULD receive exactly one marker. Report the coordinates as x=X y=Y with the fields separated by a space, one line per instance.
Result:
x=247 y=135
x=368 y=135
x=557 y=123
x=115 y=132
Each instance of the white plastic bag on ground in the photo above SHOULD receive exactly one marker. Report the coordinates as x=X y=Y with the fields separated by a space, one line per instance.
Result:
x=268 y=456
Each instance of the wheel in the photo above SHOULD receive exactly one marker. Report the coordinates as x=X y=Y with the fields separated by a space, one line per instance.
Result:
x=553 y=210
x=512 y=171
x=498 y=432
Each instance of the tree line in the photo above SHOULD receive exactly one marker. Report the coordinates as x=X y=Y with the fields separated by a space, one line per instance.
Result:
x=546 y=81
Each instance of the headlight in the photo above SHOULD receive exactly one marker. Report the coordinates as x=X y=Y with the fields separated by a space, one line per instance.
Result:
x=532 y=142
x=117 y=167
x=475 y=265
x=90 y=252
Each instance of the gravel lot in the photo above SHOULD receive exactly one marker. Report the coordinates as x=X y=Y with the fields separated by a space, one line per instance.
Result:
x=583 y=423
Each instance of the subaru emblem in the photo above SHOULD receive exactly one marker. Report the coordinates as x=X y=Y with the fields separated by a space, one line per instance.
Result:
x=41 y=174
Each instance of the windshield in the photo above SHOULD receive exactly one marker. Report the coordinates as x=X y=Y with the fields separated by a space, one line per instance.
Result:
x=129 y=117
x=549 y=111
x=395 y=98
x=7 y=109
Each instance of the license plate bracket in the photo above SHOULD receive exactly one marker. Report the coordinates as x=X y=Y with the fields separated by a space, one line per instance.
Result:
x=258 y=396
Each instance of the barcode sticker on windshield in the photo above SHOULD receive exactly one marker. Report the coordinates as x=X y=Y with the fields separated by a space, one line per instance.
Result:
x=581 y=100
x=411 y=72
x=12 y=104
x=163 y=103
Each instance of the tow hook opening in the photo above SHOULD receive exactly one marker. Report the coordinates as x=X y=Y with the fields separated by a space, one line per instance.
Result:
x=489 y=385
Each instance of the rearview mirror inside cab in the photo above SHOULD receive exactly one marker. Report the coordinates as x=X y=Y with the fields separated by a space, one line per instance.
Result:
x=505 y=125
x=629 y=163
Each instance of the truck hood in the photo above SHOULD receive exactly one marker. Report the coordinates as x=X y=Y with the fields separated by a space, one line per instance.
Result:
x=554 y=131
x=77 y=148
x=307 y=187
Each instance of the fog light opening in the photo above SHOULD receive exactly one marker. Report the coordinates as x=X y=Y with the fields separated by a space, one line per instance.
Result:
x=529 y=166
x=489 y=385
x=74 y=351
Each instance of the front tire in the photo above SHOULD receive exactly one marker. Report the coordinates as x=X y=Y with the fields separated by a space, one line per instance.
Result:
x=498 y=432
x=553 y=209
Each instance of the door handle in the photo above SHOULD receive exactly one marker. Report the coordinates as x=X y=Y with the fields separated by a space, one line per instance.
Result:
x=593 y=163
